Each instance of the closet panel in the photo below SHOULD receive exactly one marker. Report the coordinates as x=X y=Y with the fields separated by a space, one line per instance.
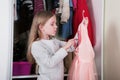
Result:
x=6 y=39
x=111 y=51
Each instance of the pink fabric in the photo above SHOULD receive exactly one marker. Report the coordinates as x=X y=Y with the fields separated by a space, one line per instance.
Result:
x=83 y=66
x=79 y=6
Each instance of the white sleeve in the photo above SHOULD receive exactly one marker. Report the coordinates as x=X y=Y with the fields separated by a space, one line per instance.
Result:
x=42 y=56
x=71 y=49
x=62 y=43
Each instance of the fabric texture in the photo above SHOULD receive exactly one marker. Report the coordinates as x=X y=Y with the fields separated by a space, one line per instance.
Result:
x=66 y=28
x=50 y=61
x=49 y=5
x=38 y=6
x=79 y=6
x=64 y=9
x=83 y=65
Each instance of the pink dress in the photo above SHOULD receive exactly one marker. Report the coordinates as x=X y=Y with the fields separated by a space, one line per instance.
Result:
x=78 y=6
x=83 y=66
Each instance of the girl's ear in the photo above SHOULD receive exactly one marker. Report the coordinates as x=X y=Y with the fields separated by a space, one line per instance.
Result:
x=40 y=27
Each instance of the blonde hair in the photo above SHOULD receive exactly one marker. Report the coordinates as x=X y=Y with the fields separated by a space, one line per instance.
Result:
x=39 y=19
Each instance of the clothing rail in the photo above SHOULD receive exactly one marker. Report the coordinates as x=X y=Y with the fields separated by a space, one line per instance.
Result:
x=29 y=76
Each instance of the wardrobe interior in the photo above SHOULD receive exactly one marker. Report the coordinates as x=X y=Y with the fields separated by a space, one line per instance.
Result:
x=24 y=10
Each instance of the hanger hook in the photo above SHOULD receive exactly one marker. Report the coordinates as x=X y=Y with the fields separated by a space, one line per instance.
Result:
x=83 y=13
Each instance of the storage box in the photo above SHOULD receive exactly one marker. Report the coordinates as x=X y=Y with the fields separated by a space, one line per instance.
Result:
x=21 y=68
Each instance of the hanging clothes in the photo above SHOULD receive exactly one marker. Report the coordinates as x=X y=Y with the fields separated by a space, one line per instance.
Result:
x=64 y=9
x=83 y=65
x=38 y=6
x=25 y=8
x=25 y=15
x=79 y=6
x=66 y=28
x=49 y=5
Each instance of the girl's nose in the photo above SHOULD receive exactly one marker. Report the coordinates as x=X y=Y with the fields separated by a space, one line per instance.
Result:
x=55 y=26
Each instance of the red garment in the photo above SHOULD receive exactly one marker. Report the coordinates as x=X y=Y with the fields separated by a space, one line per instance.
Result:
x=79 y=6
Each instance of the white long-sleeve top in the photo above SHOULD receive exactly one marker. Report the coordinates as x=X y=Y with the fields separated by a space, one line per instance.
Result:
x=49 y=56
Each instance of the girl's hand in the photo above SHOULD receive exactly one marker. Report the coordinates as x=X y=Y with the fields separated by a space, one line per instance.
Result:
x=69 y=44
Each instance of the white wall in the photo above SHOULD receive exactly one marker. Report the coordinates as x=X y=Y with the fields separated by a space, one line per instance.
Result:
x=112 y=40
x=96 y=8
x=5 y=39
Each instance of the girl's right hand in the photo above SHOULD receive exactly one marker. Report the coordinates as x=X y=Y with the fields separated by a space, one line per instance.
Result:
x=69 y=44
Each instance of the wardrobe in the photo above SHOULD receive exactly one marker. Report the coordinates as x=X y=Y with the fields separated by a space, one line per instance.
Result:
x=21 y=29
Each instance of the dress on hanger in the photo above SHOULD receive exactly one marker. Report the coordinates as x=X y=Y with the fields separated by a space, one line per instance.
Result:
x=79 y=6
x=83 y=65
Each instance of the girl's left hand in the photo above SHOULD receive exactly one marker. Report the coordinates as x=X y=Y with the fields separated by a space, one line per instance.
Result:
x=69 y=44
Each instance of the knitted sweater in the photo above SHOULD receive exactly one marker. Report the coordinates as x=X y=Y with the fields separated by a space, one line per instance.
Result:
x=50 y=61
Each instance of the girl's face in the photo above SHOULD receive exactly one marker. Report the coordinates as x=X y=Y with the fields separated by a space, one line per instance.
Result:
x=50 y=27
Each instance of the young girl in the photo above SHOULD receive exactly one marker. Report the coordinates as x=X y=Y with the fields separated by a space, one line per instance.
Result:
x=46 y=51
